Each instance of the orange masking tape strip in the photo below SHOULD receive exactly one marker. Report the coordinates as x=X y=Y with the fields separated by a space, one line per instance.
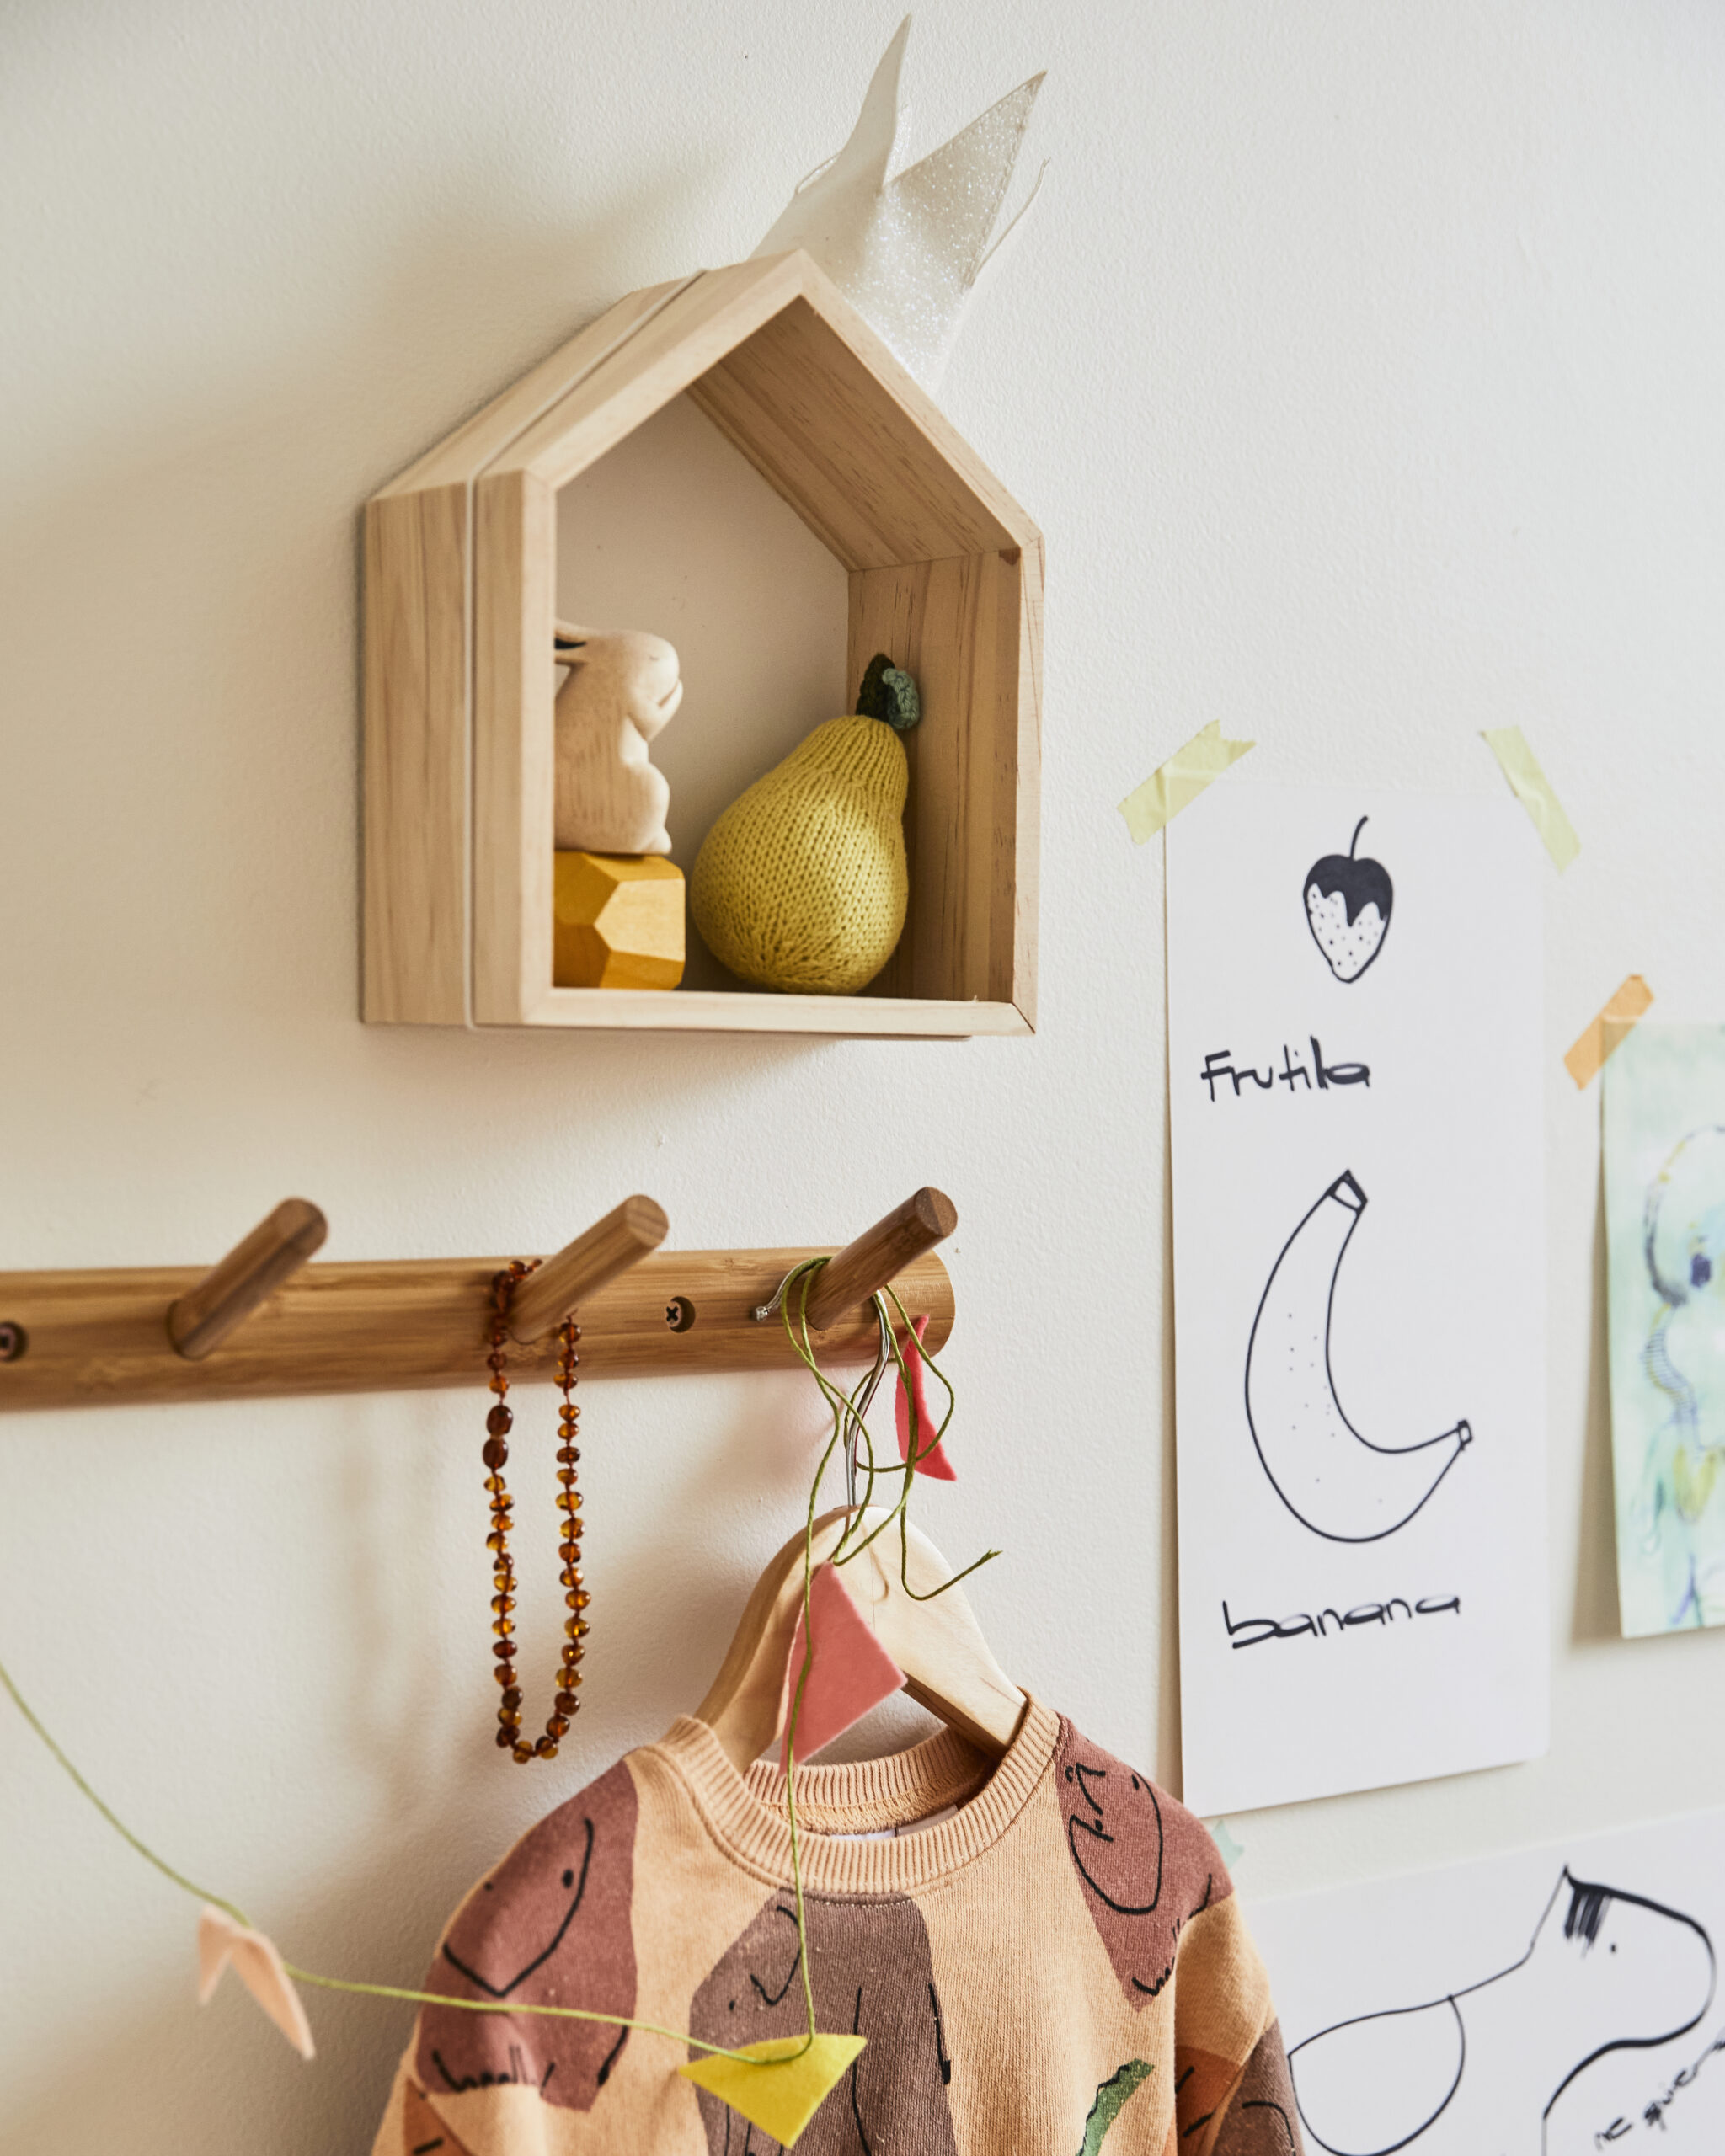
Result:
x=1602 y=1037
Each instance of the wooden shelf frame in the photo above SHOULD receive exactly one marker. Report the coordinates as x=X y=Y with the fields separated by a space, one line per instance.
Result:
x=946 y=571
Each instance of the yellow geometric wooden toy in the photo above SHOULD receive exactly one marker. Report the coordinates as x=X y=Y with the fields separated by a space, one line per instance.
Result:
x=617 y=921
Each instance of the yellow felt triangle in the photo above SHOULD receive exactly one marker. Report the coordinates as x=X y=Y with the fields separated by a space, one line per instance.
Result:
x=781 y=2099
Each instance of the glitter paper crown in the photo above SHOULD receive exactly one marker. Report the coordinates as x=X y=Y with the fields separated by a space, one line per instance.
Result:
x=907 y=251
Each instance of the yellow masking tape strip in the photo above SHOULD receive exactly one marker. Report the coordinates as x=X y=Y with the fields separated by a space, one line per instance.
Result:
x=1533 y=790
x=1603 y=1036
x=1179 y=781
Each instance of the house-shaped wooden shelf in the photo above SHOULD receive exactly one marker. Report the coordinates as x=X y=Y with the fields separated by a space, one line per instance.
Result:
x=945 y=574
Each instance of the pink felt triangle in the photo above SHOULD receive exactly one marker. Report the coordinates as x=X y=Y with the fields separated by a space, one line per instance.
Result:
x=932 y=1457
x=258 y=1967
x=850 y=1672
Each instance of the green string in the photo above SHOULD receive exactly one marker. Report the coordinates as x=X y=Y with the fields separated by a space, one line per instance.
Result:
x=847 y=1421
x=309 y=1976
x=118 y=1824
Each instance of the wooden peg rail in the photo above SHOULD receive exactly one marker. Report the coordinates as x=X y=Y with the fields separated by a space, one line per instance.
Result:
x=264 y=1321
x=578 y=1272
x=202 y=1318
x=908 y=1232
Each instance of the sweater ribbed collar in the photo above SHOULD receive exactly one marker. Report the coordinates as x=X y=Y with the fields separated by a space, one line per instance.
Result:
x=745 y=1814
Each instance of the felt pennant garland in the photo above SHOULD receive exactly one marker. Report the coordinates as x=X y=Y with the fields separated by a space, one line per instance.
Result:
x=849 y=1670
x=221 y=1944
x=910 y=1410
x=781 y=2103
x=779 y=2084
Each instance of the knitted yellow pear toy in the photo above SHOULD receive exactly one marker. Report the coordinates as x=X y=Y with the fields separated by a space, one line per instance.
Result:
x=801 y=884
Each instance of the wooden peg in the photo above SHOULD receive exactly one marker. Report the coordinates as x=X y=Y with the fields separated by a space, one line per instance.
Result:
x=611 y=1247
x=879 y=1254
x=230 y=1292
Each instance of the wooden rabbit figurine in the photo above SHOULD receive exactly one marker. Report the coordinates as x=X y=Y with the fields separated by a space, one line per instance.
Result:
x=621 y=689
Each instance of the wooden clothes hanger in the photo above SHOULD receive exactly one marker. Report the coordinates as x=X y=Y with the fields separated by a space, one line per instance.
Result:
x=938 y=1644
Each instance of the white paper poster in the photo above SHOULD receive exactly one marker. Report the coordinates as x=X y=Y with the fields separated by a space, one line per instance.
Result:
x=1556 y=2002
x=1354 y=1046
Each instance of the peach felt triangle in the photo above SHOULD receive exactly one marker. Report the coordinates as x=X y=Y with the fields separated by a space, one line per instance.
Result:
x=258 y=1967
x=932 y=1457
x=849 y=1672
x=779 y=2098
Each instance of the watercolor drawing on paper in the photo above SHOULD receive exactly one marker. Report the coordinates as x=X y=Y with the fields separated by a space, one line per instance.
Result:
x=1665 y=1149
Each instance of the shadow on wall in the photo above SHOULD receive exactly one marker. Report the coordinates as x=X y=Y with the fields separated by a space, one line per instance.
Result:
x=181 y=814
x=674 y=531
x=1596 y=1615
x=1170 y=1759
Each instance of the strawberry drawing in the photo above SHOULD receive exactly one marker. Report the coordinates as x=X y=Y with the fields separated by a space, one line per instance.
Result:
x=1348 y=905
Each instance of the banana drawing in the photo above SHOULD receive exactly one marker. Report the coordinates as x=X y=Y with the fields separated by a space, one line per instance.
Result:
x=1333 y=1480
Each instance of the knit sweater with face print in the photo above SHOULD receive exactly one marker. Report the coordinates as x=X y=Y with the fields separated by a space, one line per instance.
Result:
x=1055 y=1966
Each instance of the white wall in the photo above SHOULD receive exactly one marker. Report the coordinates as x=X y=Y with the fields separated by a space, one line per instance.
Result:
x=1363 y=364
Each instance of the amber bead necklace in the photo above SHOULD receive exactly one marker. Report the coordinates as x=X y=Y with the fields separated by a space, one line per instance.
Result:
x=498 y=1424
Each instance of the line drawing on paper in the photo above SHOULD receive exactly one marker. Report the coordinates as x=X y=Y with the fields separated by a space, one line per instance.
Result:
x=1348 y=903
x=1334 y=1481
x=1482 y=2068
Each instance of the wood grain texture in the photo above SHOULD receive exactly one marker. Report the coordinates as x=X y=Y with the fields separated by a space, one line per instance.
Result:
x=624 y=687
x=836 y=427
x=860 y=1017
x=201 y=1319
x=865 y=1265
x=792 y=374
x=415 y=759
x=462 y=456
x=626 y=1234
x=971 y=817
x=97 y=1338
x=513 y=745
x=1014 y=922
x=418 y=690
x=681 y=341
x=938 y=1644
